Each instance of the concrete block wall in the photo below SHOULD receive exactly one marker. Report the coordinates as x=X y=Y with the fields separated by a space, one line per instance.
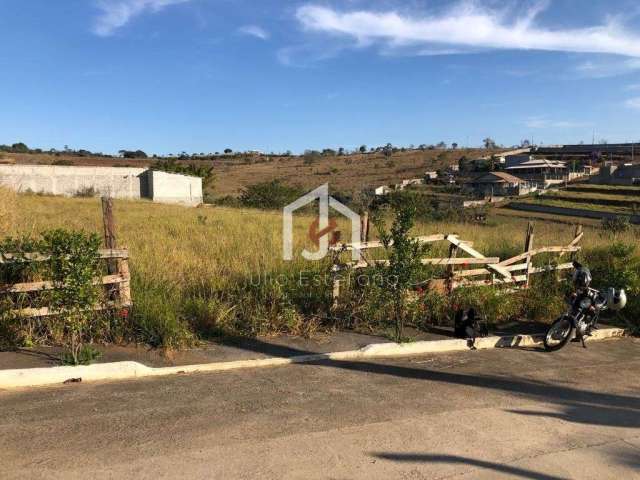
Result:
x=128 y=183
x=174 y=188
x=69 y=180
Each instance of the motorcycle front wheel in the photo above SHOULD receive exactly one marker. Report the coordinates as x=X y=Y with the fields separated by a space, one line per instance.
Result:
x=558 y=335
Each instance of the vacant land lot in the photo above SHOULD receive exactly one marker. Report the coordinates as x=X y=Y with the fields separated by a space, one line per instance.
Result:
x=211 y=271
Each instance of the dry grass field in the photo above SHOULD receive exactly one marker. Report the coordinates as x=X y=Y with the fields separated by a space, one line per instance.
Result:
x=211 y=271
x=7 y=210
x=198 y=270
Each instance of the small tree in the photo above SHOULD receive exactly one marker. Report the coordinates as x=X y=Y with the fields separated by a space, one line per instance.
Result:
x=387 y=150
x=74 y=265
x=489 y=143
x=19 y=148
x=454 y=145
x=269 y=195
x=363 y=149
x=405 y=254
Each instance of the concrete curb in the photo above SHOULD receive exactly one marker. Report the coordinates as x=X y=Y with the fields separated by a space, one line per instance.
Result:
x=35 y=377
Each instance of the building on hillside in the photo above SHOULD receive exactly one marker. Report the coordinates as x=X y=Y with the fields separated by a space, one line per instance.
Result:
x=539 y=171
x=610 y=151
x=117 y=182
x=382 y=190
x=431 y=176
x=501 y=184
x=627 y=174
x=408 y=182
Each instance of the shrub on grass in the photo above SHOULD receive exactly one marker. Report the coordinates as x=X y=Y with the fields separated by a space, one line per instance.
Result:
x=618 y=266
x=614 y=226
x=269 y=195
x=72 y=267
x=157 y=317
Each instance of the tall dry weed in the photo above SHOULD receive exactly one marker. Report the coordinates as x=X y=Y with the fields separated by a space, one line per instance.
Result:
x=7 y=210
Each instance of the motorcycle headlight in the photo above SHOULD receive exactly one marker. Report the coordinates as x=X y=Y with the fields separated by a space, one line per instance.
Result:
x=585 y=303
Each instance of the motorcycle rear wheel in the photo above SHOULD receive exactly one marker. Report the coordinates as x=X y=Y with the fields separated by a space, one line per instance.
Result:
x=558 y=335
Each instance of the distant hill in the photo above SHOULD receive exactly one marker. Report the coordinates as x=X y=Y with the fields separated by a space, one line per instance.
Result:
x=345 y=173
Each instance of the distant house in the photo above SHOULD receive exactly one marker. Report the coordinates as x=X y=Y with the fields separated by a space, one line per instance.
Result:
x=499 y=184
x=382 y=190
x=627 y=174
x=429 y=176
x=408 y=182
x=539 y=171
x=454 y=167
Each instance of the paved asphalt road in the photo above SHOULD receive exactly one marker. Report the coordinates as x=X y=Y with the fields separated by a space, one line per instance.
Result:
x=471 y=415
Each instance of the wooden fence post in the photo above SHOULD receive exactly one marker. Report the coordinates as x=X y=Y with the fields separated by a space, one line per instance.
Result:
x=578 y=234
x=119 y=266
x=108 y=223
x=364 y=227
x=124 y=291
x=528 y=246
x=335 y=291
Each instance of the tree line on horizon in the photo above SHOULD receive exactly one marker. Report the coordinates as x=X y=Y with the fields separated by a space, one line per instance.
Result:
x=138 y=154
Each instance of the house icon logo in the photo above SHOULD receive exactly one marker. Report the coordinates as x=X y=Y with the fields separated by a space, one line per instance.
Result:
x=321 y=228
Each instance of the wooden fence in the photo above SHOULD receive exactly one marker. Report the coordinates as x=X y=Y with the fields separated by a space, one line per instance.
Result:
x=117 y=282
x=514 y=271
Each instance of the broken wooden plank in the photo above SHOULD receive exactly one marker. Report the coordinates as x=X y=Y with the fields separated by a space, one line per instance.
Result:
x=48 y=285
x=46 y=311
x=347 y=247
x=464 y=246
x=500 y=270
x=537 y=251
x=39 y=257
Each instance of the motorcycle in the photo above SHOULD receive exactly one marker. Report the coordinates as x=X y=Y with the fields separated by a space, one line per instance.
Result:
x=585 y=306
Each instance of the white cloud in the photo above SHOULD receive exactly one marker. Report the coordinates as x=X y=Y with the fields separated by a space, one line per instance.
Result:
x=543 y=122
x=254 y=31
x=633 y=103
x=115 y=14
x=470 y=26
x=633 y=87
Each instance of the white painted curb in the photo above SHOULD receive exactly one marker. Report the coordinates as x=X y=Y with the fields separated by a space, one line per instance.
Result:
x=34 y=377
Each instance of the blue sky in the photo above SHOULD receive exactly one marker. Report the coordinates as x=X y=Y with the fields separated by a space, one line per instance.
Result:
x=203 y=75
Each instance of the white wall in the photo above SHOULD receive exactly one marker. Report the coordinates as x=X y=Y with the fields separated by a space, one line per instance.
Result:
x=175 y=188
x=131 y=183
x=69 y=180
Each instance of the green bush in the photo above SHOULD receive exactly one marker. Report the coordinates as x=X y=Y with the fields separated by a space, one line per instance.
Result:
x=269 y=195
x=618 y=266
x=72 y=266
x=615 y=226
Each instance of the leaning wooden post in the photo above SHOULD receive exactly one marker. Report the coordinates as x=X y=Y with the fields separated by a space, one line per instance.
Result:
x=108 y=222
x=576 y=239
x=528 y=246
